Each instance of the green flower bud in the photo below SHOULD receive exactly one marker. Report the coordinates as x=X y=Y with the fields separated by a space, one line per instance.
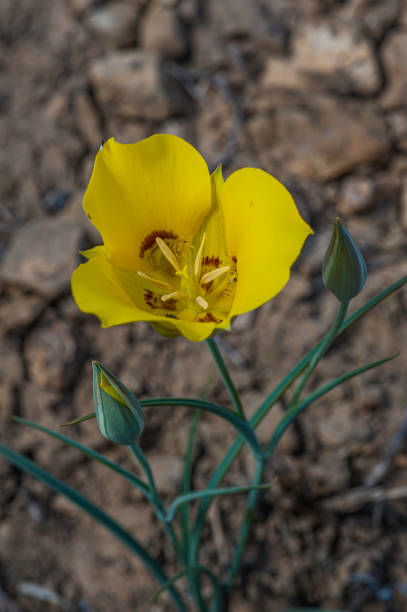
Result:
x=118 y=412
x=344 y=269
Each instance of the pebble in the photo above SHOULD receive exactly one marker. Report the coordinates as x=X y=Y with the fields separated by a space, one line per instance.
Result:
x=394 y=58
x=161 y=32
x=116 y=22
x=130 y=84
x=50 y=352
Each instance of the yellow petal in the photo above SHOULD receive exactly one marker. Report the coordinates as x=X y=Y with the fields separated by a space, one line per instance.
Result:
x=97 y=290
x=109 y=389
x=264 y=231
x=160 y=184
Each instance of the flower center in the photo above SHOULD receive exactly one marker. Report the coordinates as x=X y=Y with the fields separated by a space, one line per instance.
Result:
x=184 y=282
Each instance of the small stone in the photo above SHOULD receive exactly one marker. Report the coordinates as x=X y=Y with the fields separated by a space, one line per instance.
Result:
x=394 y=57
x=337 y=426
x=161 y=32
x=356 y=196
x=50 y=355
x=131 y=84
x=18 y=311
x=116 y=22
x=235 y=19
x=379 y=17
x=11 y=366
x=42 y=256
x=317 y=139
x=336 y=54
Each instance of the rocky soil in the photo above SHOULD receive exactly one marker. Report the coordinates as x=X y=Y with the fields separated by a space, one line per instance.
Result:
x=314 y=92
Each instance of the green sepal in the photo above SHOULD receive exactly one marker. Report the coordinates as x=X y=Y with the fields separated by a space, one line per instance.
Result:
x=118 y=412
x=82 y=419
x=344 y=269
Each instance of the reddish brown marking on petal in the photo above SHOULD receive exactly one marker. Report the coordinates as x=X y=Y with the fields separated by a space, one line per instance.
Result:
x=149 y=241
x=148 y=298
x=211 y=260
x=210 y=318
x=234 y=258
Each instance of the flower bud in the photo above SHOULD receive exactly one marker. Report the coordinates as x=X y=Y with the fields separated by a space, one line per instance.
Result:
x=118 y=412
x=344 y=269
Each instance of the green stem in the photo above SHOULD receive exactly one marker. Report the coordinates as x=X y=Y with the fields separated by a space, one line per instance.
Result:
x=156 y=499
x=95 y=512
x=321 y=350
x=236 y=448
x=247 y=521
x=187 y=478
x=224 y=373
x=240 y=424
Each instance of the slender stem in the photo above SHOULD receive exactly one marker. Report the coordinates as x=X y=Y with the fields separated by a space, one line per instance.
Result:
x=193 y=576
x=247 y=521
x=224 y=373
x=96 y=513
x=321 y=350
x=268 y=403
x=237 y=447
x=187 y=477
x=156 y=499
x=243 y=426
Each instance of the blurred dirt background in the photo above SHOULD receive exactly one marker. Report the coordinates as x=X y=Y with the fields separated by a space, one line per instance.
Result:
x=312 y=91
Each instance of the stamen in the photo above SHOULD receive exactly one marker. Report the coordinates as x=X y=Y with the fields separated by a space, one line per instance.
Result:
x=202 y=302
x=168 y=254
x=175 y=295
x=154 y=280
x=198 y=257
x=210 y=276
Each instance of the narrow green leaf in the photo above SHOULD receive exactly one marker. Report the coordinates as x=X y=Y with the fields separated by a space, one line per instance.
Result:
x=235 y=448
x=293 y=412
x=361 y=312
x=192 y=569
x=243 y=426
x=134 y=480
x=188 y=497
x=94 y=511
x=81 y=419
x=187 y=476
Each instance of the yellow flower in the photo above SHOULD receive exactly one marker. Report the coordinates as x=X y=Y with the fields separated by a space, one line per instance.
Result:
x=183 y=249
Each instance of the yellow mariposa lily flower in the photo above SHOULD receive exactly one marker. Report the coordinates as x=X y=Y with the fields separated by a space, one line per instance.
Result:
x=183 y=249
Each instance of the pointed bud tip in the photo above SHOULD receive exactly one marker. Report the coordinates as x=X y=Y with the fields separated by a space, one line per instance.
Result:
x=118 y=412
x=344 y=269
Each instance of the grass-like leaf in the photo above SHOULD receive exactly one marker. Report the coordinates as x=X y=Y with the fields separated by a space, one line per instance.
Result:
x=188 y=497
x=293 y=412
x=94 y=511
x=134 y=480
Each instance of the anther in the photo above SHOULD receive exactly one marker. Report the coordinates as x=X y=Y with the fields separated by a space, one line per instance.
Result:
x=154 y=280
x=175 y=295
x=168 y=254
x=202 y=302
x=198 y=258
x=210 y=276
